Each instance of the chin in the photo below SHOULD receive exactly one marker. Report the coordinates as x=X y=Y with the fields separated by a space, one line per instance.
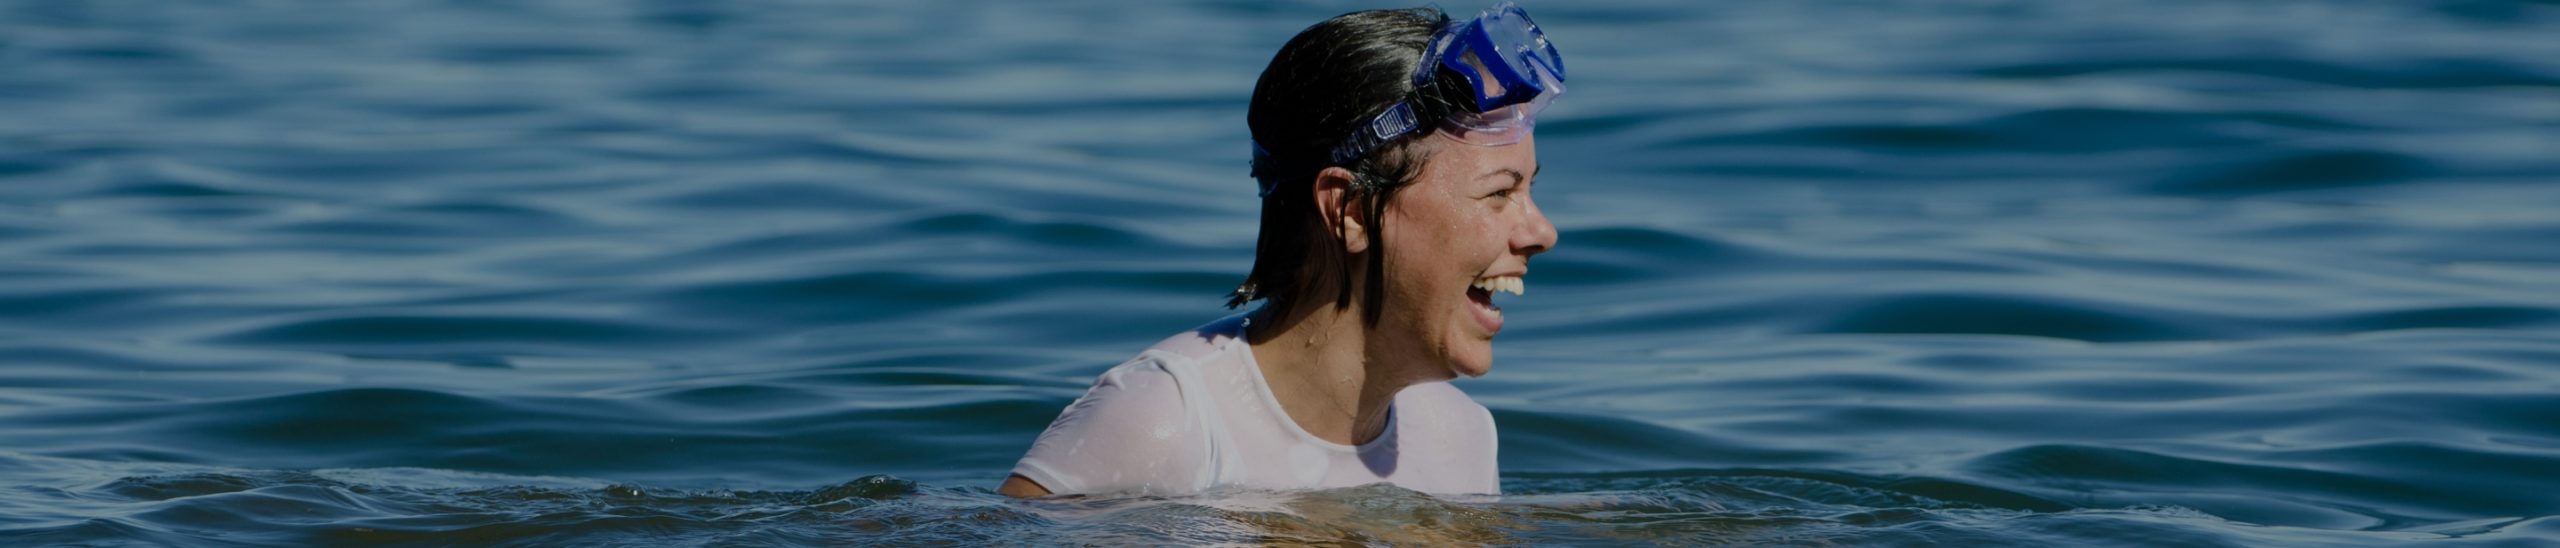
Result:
x=1471 y=366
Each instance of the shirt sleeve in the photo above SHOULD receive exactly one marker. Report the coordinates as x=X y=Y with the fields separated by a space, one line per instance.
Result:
x=1130 y=433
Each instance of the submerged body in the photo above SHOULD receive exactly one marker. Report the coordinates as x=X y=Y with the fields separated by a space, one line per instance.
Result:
x=1196 y=412
x=1393 y=153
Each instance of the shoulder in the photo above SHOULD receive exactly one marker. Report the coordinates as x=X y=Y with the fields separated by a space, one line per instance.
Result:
x=1151 y=383
x=1138 y=428
x=1141 y=390
x=1131 y=432
x=1200 y=342
x=1444 y=418
x=1444 y=407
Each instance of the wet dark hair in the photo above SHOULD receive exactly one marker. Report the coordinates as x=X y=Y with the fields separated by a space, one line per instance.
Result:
x=1328 y=81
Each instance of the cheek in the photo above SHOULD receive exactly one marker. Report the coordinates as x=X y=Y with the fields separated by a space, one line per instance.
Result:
x=1476 y=237
x=1427 y=256
x=1464 y=237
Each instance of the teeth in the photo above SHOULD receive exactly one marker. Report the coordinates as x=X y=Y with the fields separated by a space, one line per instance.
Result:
x=1497 y=284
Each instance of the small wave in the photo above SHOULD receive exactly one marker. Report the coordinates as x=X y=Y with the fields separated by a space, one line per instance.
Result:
x=1558 y=441
x=525 y=53
x=2299 y=170
x=181 y=504
x=387 y=332
x=2400 y=74
x=411 y=506
x=442 y=220
x=870 y=294
x=954 y=235
x=826 y=429
x=1606 y=255
x=77 y=305
x=22 y=165
x=171 y=487
x=123 y=52
x=2004 y=315
x=2452 y=317
x=778 y=195
x=177 y=189
x=1060 y=233
x=2323 y=498
x=2046 y=131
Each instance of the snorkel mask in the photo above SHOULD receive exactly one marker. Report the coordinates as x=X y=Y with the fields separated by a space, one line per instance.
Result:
x=1511 y=69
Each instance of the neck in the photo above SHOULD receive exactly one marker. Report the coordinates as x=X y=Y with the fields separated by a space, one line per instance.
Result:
x=1319 y=362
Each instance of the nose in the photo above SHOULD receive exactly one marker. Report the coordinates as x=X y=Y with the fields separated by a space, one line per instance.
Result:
x=1537 y=236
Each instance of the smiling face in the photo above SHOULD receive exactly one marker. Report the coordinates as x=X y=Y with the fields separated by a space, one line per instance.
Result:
x=1465 y=228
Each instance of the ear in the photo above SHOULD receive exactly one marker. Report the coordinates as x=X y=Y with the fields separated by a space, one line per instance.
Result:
x=1332 y=190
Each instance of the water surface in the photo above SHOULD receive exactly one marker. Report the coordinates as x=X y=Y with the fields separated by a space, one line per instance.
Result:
x=581 y=272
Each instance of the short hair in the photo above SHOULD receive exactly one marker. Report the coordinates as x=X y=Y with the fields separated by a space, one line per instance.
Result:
x=1327 y=82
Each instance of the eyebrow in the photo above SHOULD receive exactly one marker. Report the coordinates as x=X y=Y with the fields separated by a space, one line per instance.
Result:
x=1516 y=178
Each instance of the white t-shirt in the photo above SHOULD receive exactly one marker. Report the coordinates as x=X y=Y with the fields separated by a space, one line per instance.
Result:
x=1193 y=413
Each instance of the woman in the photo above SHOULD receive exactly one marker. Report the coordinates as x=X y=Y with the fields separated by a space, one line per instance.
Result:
x=1395 y=163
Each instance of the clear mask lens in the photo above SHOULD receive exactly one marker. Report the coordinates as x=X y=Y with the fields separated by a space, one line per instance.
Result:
x=1505 y=125
x=1513 y=70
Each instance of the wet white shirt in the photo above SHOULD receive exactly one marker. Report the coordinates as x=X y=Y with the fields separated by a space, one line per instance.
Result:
x=1193 y=413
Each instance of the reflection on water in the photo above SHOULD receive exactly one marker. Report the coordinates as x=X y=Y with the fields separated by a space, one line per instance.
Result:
x=588 y=271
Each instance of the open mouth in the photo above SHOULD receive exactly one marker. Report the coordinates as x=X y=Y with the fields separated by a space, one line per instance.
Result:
x=1481 y=293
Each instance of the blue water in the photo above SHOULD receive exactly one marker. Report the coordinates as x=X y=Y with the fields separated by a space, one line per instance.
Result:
x=583 y=272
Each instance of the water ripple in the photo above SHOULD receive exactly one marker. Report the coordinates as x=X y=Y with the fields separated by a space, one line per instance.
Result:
x=2042 y=274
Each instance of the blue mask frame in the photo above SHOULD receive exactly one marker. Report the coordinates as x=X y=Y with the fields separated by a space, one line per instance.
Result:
x=1525 y=70
x=1508 y=35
